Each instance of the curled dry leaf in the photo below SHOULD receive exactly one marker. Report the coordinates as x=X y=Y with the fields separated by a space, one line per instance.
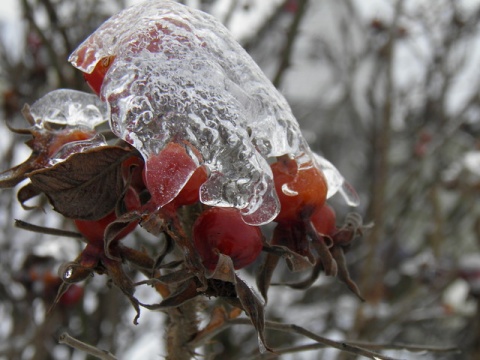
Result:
x=167 y=249
x=265 y=273
x=329 y=255
x=85 y=186
x=184 y=292
x=305 y=284
x=26 y=193
x=115 y=228
x=123 y=282
x=139 y=259
x=343 y=273
x=254 y=309
x=176 y=277
x=224 y=270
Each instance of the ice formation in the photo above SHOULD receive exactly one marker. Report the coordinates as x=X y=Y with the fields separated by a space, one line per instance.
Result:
x=336 y=182
x=178 y=75
x=65 y=112
x=70 y=108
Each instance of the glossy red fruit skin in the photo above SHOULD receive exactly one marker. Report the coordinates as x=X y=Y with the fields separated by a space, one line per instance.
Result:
x=300 y=191
x=168 y=170
x=222 y=230
x=190 y=194
x=96 y=77
x=324 y=219
x=94 y=230
x=67 y=136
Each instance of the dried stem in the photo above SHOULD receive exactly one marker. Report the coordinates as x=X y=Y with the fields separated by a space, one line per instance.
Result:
x=292 y=36
x=46 y=230
x=353 y=347
x=89 y=349
x=182 y=325
x=381 y=167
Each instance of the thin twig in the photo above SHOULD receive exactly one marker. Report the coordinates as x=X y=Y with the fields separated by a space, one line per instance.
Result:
x=46 y=42
x=66 y=339
x=382 y=139
x=292 y=36
x=354 y=347
x=340 y=345
x=369 y=346
x=46 y=230
x=343 y=346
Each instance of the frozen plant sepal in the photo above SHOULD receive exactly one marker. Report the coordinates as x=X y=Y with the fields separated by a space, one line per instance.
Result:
x=70 y=108
x=177 y=75
x=61 y=124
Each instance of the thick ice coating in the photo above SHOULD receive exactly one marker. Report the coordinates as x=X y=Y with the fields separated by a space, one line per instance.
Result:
x=178 y=75
x=70 y=108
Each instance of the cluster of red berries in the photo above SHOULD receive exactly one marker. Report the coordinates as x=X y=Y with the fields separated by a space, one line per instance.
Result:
x=305 y=224
x=301 y=190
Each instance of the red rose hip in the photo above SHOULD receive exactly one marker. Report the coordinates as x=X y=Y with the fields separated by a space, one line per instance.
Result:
x=222 y=230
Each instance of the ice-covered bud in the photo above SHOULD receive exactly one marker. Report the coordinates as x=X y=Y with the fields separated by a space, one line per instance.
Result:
x=176 y=74
x=70 y=108
x=63 y=123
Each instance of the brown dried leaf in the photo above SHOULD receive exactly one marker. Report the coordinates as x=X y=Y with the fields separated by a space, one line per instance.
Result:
x=254 y=309
x=86 y=185
x=224 y=270
x=167 y=249
x=295 y=261
x=193 y=262
x=343 y=273
x=123 y=282
x=184 y=293
x=323 y=251
x=139 y=259
x=351 y=229
x=26 y=193
x=37 y=159
x=114 y=229
x=305 y=284
x=11 y=177
x=290 y=241
x=175 y=277
x=265 y=273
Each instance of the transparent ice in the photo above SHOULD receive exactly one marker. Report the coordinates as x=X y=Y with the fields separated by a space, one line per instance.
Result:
x=336 y=182
x=178 y=75
x=70 y=108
